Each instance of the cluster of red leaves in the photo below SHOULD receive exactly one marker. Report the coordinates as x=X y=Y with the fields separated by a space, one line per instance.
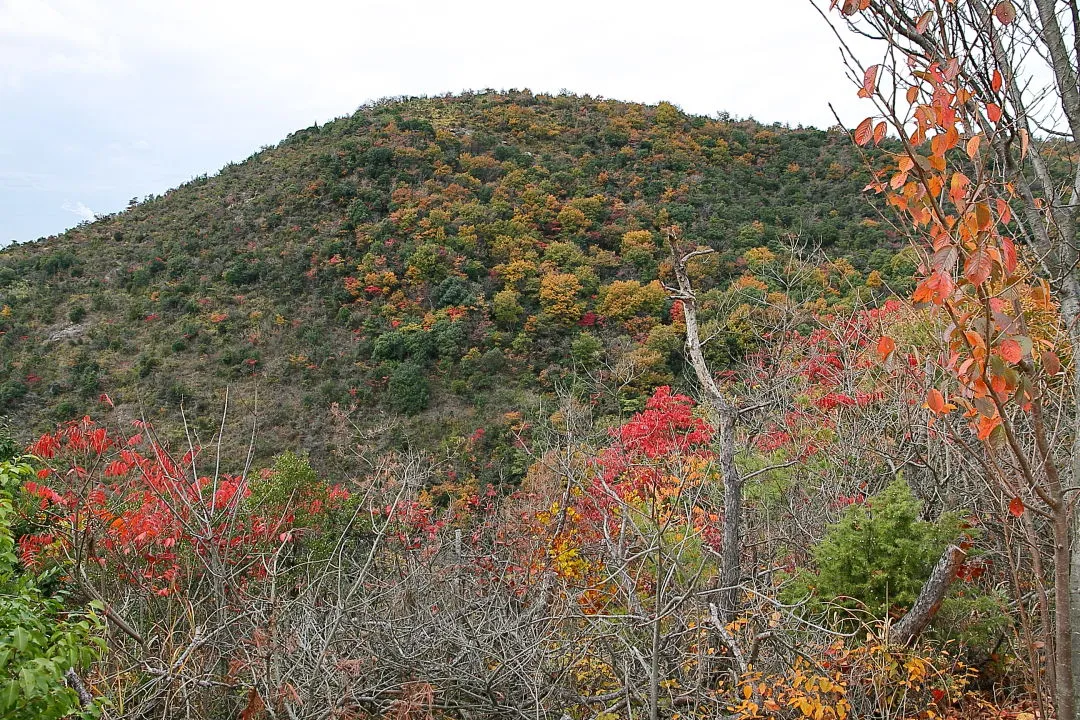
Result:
x=653 y=463
x=829 y=367
x=143 y=515
x=412 y=523
x=645 y=448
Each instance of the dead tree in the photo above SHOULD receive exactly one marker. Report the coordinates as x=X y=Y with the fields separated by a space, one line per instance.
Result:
x=726 y=416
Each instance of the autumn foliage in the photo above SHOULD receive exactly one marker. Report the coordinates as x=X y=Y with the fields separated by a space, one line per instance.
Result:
x=122 y=504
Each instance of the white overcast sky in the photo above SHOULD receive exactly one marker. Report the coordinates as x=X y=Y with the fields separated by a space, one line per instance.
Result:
x=104 y=100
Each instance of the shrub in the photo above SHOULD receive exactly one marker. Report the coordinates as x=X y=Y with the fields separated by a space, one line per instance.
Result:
x=878 y=555
x=408 y=387
x=39 y=641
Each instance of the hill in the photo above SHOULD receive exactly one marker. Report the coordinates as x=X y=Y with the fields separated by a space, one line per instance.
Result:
x=437 y=265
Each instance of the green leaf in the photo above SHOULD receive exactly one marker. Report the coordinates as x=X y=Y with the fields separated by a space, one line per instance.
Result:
x=20 y=638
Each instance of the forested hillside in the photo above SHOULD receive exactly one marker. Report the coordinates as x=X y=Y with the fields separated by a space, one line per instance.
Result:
x=451 y=259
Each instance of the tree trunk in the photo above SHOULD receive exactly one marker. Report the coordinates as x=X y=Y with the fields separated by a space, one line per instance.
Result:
x=1074 y=614
x=1063 y=635
x=726 y=417
x=1070 y=313
x=909 y=627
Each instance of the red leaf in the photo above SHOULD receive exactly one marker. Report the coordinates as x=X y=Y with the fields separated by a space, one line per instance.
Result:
x=993 y=112
x=996 y=82
x=1008 y=254
x=1016 y=507
x=1003 y=211
x=944 y=259
x=1010 y=351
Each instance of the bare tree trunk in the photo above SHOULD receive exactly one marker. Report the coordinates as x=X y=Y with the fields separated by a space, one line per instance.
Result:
x=75 y=683
x=1064 y=601
x=726 y=417
x=1070 y=312
x=1063 y=616
x=930 y=597
x=654 y=659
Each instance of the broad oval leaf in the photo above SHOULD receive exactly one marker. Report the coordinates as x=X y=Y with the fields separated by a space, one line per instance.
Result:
x=944 y=260
x=869 y=82
x=864 y=132
x=885 y=347
x=973 y=145
x=879 y=132
x=935 y=401
x=1005 y=12
x=1010 y=351
x=978 y=267
x=1050 y=362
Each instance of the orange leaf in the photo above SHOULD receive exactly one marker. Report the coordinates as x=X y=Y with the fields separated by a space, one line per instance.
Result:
x=986 y=426
x=998 y=384
x=885 y=346
x=958 y=186
x=912 y=94
x=864 y=132
x=996 y=82
x=879 y=132
x=1016 y=507
x=1010 y=351
x=973 y=145
x=935 y=401
x=993 y=112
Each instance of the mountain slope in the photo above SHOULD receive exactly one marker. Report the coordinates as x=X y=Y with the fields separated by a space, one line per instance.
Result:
x=447 y=259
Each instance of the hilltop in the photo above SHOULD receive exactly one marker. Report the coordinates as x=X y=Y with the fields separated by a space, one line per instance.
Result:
x=438 y=265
